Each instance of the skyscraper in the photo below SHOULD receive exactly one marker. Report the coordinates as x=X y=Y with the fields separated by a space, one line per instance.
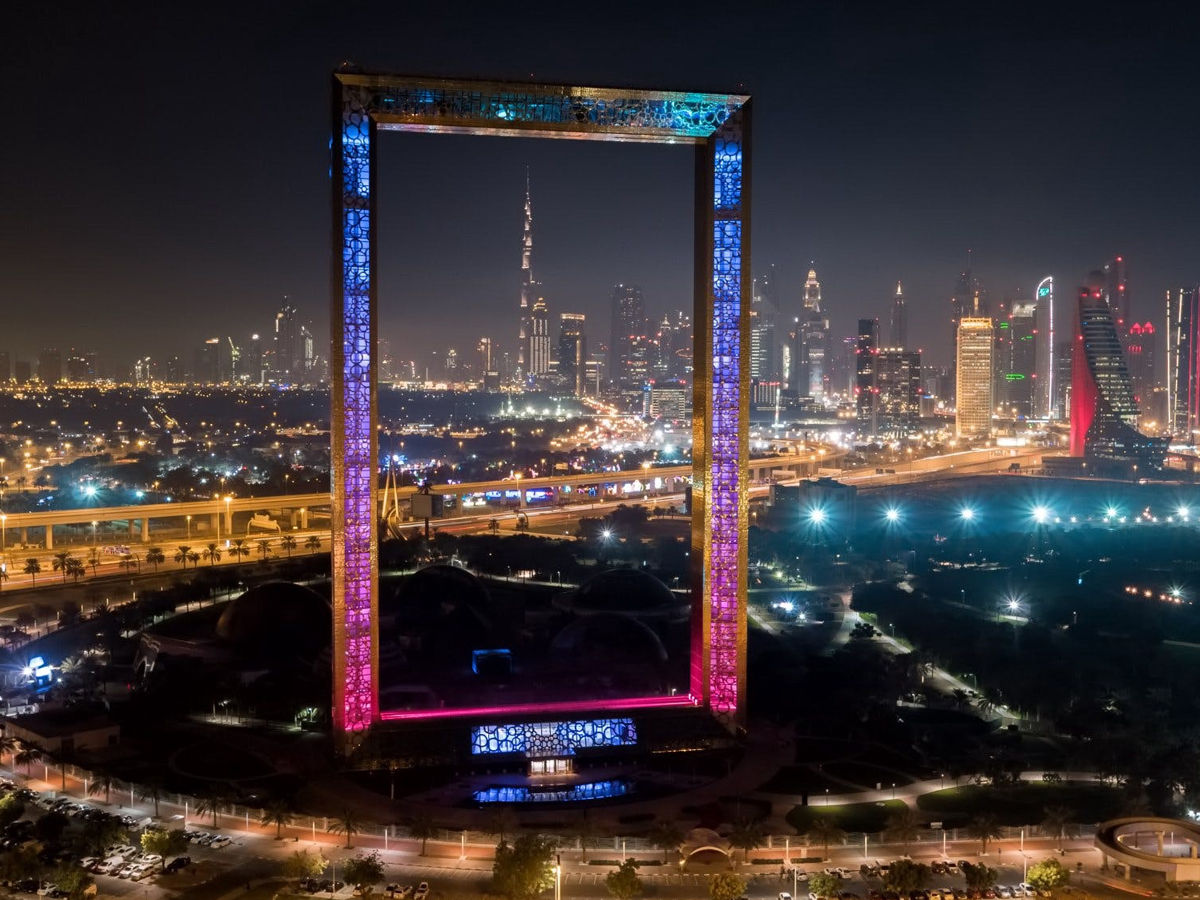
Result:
x=528 y=286
x=964 y=302
x=5 y=366
x=539 y=338
x=866 y=390
x=1047 y=395
x=1103 y=409
x=1183 y=364
x=1016 y=386
x=1116 y=292
x=292 y=341
x=898 y=391
x=628 y=351
x=764 y=317
x=50 y=366
x=973 y=363
x=811 y=354
x=899 y=330
x=572 y=351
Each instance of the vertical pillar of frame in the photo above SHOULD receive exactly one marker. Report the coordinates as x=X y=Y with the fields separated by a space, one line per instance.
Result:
x=702 y=317
x=353 y=452
x=727 y=420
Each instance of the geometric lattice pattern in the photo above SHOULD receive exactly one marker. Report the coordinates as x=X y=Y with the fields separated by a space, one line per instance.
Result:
x=595 y=790
x=717 y=125
x=541 y=739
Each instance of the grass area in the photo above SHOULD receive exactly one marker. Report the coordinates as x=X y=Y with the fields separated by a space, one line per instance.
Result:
x=1021 y=804
x=869 y=817
x=801 y=780
x=866 y=774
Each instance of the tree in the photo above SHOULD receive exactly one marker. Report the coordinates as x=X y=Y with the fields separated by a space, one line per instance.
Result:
x=983 y=828
x=208 y=806
x=349 y=824
x=288 y=543
x=212 y=554
x=902 y=827
x=237 y=549
x=824 y=831
x=194 y=558
x=94 y=560
x=164 y=843
x=32 y=567
x=364 y=870
x=27 y=756
x=667 y=836
x=152 y=790
x=583 y=832
x=727 y=886
x=747 y=834
x=99 y=833
x=824 y=885
x=500 y=821
x=49 y=828
x=1047 y=875
x=71 y=879
x=11 y=809
x=60 y=563
x=9 y=745
x=1055 y=821
x=313 y=543
x=523 y=869
x=979 y=877
x=264 y=548
x=3 y=576
x=154 y=556
x=103 y=784
x=905 y=876
x=183 y=555
x=624 y=883
x=128 y=562
x=422 y=828
x=303 y=864
x=279 y=814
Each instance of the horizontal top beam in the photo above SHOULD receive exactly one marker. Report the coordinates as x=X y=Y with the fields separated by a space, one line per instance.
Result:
x=412 y=103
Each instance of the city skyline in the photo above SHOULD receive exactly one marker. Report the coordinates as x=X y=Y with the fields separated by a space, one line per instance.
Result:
x=968 y=164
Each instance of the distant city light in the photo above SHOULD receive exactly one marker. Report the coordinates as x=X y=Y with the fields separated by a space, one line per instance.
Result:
x=1111 y=513
x=1183 y=512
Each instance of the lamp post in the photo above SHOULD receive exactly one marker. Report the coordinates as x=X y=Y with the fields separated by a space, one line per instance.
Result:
x=189 y=528
x=3 y=531
x=94 y=524
x=558 y=878
x=228 y=517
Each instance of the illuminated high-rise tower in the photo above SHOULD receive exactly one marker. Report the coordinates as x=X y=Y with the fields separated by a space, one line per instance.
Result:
x=1183 y=364
x=539 y=338
x=810 y=360
x=899 y=332
x=974 y=347
x=528 y=286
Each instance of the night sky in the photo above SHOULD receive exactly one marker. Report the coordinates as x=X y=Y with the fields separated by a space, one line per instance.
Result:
x=165 y=165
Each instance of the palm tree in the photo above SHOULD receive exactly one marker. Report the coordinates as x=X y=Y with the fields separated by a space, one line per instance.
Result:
x=264 y=548
x=313 y=544
x=288 y=543
x=747 y=834
x=422 y=828
x=208 y=805
x=93 y=560
x=666 y=835
x=500 y=821
x=212 y=554
x=27 y=756
x=154 y=556
x=237 y=549
x=902 y=827
x=279 y=814
x=1056 y=821
x=583 y=830
x=183 y=554
x=60 y=563
x=128 y=562
x=193 y=558
x=825 y=831
x=349 y=824
x=103 y=784
x=32 y=567
x=8 y=745
x=152 y=790
x=983 y=828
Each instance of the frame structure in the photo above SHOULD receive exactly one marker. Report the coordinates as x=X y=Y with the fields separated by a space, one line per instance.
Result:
x=718 y=127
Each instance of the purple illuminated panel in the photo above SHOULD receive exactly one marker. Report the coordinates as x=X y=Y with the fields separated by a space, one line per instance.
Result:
x=354 y=460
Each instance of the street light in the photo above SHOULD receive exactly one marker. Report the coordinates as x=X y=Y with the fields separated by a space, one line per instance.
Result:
x=94 y=524
x=189 y=528
x=228 y=520
x=967 y=514
x=1041 y=514
x=892 y=515
x=3 y=531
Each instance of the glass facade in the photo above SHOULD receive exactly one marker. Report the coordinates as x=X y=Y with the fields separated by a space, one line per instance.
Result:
x=553 y=738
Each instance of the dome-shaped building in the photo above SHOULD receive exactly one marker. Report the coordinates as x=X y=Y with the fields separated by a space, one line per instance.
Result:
x=630 y=592
x=277 y=619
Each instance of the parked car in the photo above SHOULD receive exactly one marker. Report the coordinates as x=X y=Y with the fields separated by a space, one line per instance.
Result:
x=422 y=891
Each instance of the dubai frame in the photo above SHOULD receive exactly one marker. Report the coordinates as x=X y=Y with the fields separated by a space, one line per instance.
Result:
x=718 y=127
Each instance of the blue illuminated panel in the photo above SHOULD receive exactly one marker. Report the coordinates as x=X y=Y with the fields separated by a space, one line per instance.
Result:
x=552 y=738
x=595 y=790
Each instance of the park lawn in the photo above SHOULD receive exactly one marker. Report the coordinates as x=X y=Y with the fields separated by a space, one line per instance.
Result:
x=1021 y=804
x=851 y=817
x=801 y=780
